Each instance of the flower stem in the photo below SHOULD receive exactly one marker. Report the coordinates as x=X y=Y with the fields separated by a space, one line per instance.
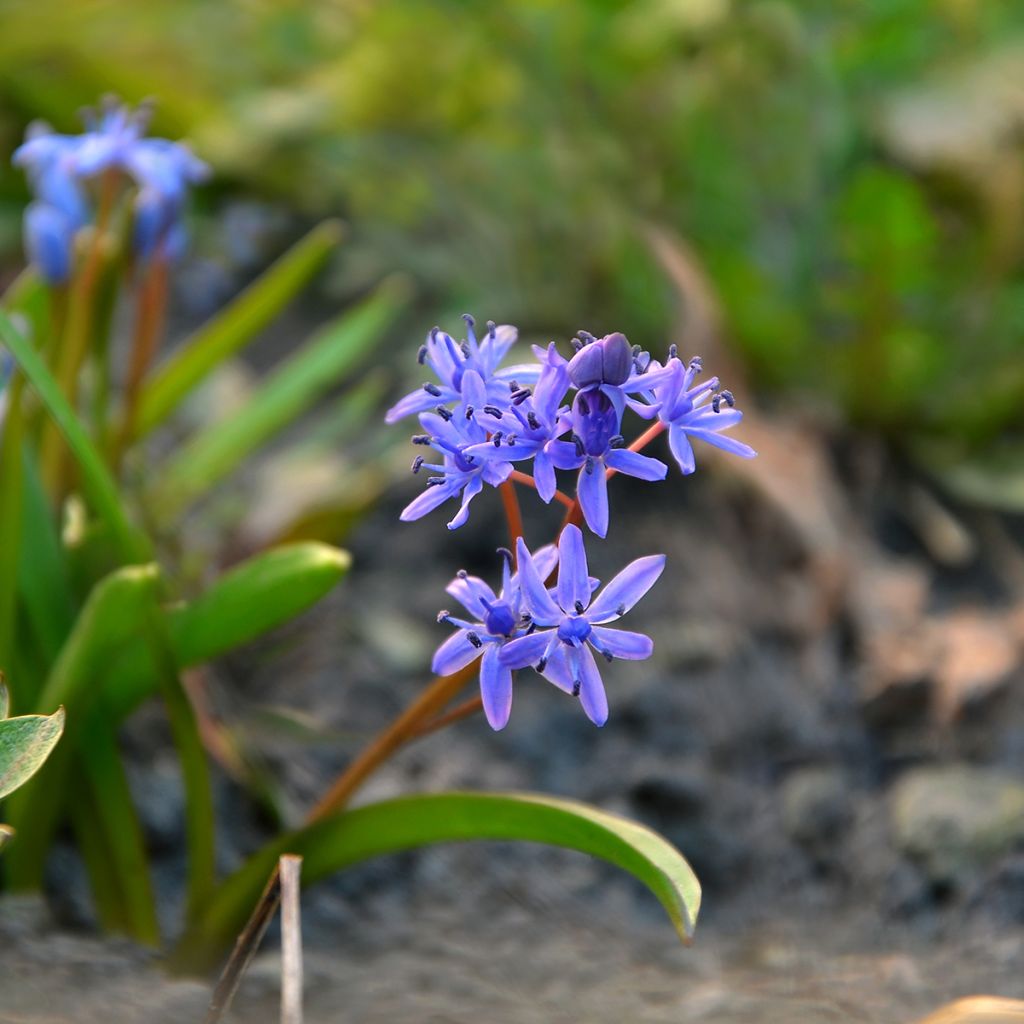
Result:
x=513 y=515
x=428 y=704
x=464 y=710
x=528 y=481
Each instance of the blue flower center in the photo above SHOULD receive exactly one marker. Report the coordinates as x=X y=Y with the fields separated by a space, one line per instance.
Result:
x=595 y=420
x=573 y=629
x=500 y=620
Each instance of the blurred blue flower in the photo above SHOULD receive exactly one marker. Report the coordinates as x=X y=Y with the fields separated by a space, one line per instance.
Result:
x=49 y=239
x=499 y=618
x=566 y=623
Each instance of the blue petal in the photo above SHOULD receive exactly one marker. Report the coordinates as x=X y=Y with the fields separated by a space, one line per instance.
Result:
x=573 y=575
x=473 y=391
x=544 y=476
x=634 y=464
x=471 y=592
x=622 y=643
x=681 y=448
x=415 y=401
x=626 y=589
x=557 y=670
x=427 y=501
x=592 y=492
x=544 y=560
x=455 y=653
x=495 y=688
x=527 y=650
x=592 y=695
x=728 y=444
x=538 y=601
x=564 y=455
x=473 y=487
x=49 y=241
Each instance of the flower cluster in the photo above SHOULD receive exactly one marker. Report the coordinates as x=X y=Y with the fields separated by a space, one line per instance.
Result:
x=481 y=419
x=559 y=414
x=76 y=179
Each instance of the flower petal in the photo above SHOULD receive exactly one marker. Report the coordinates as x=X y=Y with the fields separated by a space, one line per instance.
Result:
x=564 y=455
x=728 y=444
x=527 y=650
x=544 y=560
x=573 y=576
x=544 y=476
x=535 y=595
x=634 y=464
x=557 y=670
x=474 y=485
x=622 y=643
x=427 y=501
x=592 y=695
x=495 y=688
x=592 y=492
x=473 y=391
x=455 y=653
x=626 y=589
x=681 y=448
x=471 y=592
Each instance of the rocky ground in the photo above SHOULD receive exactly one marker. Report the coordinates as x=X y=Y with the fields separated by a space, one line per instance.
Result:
x=831 y=729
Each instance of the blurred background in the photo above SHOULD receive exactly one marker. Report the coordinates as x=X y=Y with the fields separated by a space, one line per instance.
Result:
x=826 y=200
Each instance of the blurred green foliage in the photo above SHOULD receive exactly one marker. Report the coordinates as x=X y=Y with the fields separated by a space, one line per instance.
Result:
x=848 y=172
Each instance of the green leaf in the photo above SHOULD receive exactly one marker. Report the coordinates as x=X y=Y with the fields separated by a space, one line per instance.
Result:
x=304 y=378
x=113 y=616
x=96 y=479
x=5 y=701
x=409 y=822
x=236 y=325
x=25 y=744
x=6 y=835
x=256 y=596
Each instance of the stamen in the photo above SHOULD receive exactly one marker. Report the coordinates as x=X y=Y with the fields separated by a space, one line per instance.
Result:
x=469 y=412
x=443 y=413
x=618 y=441
x=531 y=419
x=470 y=322
x=586 y=337
x=493 y=410
x=608 y=656
x=421 y=439
x=443 y=615
x=506 y=554
x=716 y=402
x=432 y=389
x=728 y=399
x=474 y=640
x=496 y=438
x=576 y=687
x=576 y=344
x=491 y=329
x=434 y=481
x=510 y=440
x=673 y=351
x=513 y=386
x=464 y=349
x=462 y=574
x=421 y=356
x=589 y=465
x=520 y=396
x=578 y=441
x=542 y=664
x=697 y=364
x=434 y=332
x=621 y=610
x=416 y=463
x=579 y=607
x=636 y=351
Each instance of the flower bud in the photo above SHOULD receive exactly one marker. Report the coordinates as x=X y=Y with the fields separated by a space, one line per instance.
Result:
x=607 y=361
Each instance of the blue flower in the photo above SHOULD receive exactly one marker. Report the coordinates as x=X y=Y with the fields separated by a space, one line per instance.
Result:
x=451 y=360
x=691 y=410
x=6 y=369
x=529 y=424
x=452 y=435
x=49 y=239
x=566 y=623
x=499 y=618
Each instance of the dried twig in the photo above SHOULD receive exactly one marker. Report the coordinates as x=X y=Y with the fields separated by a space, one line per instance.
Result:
x=245 y=949
x=289 y=870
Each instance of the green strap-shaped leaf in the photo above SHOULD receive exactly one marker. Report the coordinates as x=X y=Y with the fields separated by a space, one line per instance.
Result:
x=266 y=591
x=409 y=822
x=234 y=327
x=96 y=479
x=5 y=701
x=25 y=744
x=304 y=378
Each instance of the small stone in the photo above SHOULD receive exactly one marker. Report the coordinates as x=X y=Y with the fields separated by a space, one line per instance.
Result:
x=816 y=807
x=953 y=821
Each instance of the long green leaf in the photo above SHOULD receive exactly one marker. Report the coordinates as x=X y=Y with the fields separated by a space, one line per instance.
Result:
x=258 y=595
x=113 y=615
x=11 y=518
x=305 y=377
x=25 y=744
x=409 y=822
x=236 y=325
x=96 y=479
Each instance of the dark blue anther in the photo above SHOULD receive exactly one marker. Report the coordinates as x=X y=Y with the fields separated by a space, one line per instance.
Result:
x=432 y=389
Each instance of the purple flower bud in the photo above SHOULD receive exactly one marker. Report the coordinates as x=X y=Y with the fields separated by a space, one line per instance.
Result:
x=607 y=361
